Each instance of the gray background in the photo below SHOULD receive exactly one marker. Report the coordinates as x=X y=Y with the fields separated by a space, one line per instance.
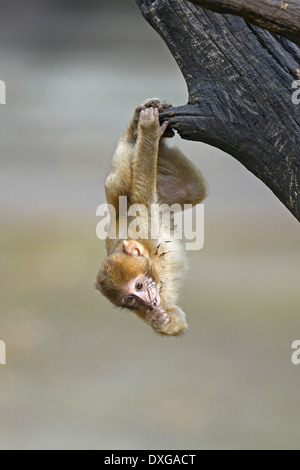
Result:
x=79 y=373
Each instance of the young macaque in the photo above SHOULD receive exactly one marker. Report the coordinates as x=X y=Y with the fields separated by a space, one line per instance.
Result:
x=145 y=274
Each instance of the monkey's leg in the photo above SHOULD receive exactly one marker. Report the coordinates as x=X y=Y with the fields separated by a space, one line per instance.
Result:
x=178 y=180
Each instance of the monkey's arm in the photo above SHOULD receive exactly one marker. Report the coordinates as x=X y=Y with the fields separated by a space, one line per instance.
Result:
x=118 y=182
x=144 y=173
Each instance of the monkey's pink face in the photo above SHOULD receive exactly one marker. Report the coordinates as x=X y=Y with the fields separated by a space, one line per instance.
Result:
x=141 y=293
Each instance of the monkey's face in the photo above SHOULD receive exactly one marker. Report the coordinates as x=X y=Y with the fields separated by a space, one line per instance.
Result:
x=141 y=293
x=128 y=281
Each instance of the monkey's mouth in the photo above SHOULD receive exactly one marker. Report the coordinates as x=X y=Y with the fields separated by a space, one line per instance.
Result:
x=153 y=295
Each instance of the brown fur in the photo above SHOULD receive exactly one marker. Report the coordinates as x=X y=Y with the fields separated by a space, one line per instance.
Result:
x=146 y=170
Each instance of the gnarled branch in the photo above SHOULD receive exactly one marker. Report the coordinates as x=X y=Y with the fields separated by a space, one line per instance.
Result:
x=240 y=80
x=279 y=16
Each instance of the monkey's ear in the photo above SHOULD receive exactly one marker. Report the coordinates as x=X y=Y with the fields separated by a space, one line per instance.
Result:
x=134 y=248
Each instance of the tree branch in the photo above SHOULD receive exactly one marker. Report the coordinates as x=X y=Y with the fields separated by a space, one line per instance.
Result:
x=279 y=16
x=239 y=79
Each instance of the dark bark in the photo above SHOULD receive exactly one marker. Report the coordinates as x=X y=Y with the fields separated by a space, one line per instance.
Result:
x=279 y=16
x=239 y=79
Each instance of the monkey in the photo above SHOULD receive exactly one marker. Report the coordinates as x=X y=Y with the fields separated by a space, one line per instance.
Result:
x=145 y=275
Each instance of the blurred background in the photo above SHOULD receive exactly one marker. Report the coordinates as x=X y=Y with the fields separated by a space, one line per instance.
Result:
x=81 y=374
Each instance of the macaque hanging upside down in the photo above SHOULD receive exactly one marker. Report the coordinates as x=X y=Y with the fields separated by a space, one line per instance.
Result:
x=144 y=274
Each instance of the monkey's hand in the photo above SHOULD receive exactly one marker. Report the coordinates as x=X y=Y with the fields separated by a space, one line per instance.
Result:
x=152 y=103
x=149 y=125
x=171 y=322
x=158 y=319
x=161 y=106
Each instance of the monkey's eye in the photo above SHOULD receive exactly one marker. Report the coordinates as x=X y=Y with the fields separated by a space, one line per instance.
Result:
x=130 y=300
x=139 y=285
